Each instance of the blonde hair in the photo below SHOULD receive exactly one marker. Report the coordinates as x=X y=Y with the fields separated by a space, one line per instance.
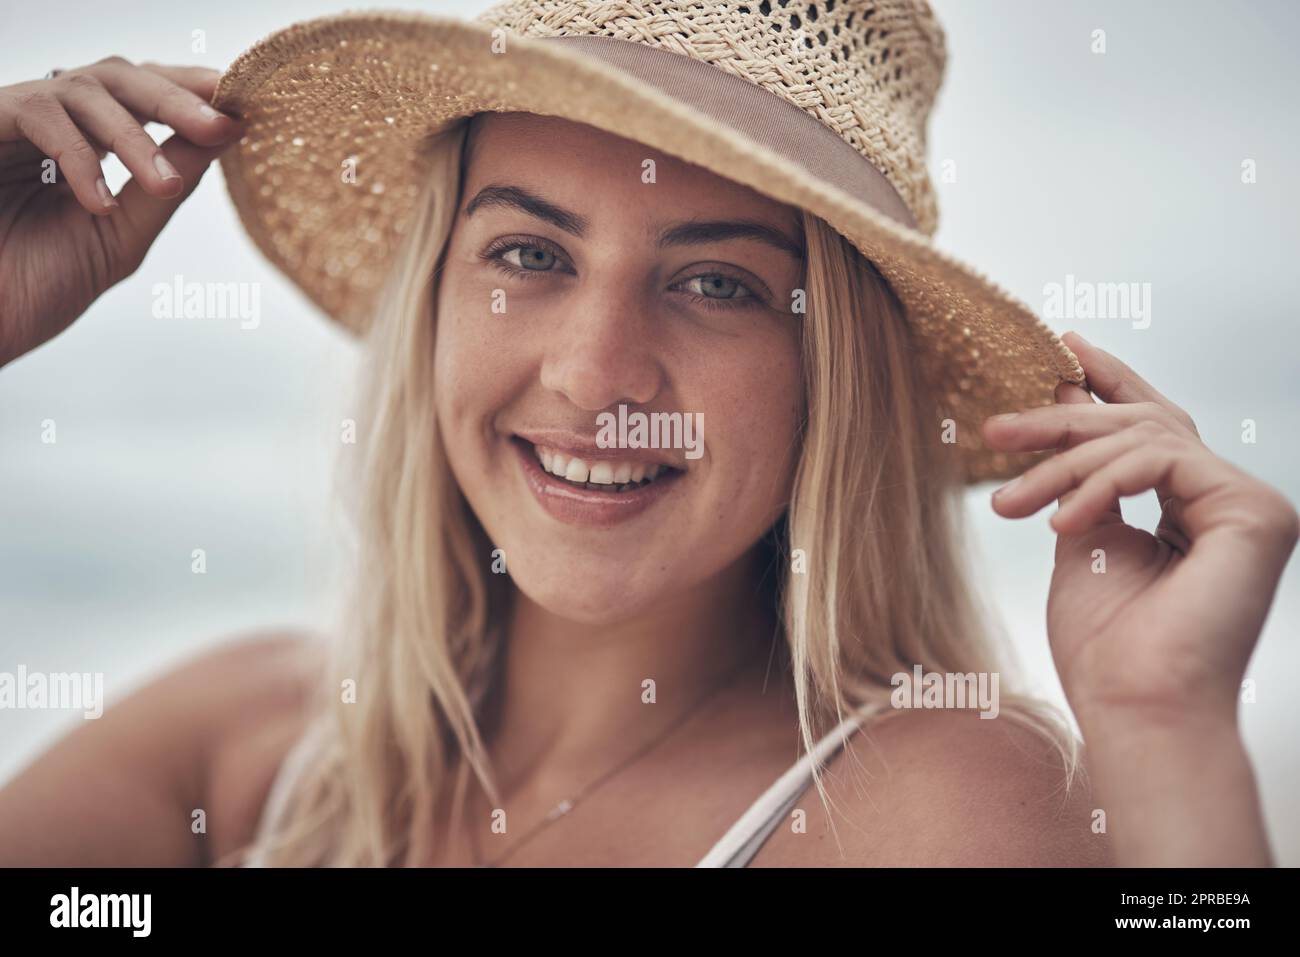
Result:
x=875 y=501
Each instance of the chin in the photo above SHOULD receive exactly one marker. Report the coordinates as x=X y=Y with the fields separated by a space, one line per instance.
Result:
x=590 y=591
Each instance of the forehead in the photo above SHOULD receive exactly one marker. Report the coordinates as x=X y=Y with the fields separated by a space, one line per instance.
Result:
x=563 y=157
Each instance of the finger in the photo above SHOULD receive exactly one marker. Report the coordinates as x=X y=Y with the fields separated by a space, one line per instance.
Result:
x=156 y=97
x=1070 y=395
x=1170 y=529
x=1068 y=424
x=21 y=154
x=199 y=80
x=1067 y=470
x=107 y=122
x=1113 y=381
x=21 y=163
x=40 y=118
x=1177 y=463
x=144 y=215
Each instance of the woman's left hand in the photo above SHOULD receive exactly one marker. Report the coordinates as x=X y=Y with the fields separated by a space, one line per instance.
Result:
x=1159 y=624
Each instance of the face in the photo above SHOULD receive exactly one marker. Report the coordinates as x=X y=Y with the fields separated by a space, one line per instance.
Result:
x=585 y=287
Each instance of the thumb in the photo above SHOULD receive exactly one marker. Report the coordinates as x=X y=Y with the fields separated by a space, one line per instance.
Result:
x=142 y=216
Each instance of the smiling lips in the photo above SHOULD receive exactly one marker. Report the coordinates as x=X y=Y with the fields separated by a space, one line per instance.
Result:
x=600 y=476
x=593 y=488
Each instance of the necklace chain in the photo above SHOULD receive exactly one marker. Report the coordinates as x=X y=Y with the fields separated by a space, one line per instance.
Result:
x=568 y=804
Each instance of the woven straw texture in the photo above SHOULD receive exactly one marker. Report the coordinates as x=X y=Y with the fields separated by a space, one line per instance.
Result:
x=361 y=91
x=868 y=71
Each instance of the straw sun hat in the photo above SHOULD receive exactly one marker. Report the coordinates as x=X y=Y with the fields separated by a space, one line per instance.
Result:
x=821 y=104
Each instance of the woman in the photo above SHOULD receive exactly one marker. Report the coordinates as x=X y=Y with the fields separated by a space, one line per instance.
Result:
x=567 y=653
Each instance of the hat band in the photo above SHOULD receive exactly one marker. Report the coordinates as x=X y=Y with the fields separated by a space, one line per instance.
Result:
x=759 y=114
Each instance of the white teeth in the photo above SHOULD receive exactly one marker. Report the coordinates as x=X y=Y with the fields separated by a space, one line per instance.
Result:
x=616 y=474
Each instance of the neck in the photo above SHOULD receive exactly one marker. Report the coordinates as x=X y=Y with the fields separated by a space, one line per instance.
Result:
x=572 y=700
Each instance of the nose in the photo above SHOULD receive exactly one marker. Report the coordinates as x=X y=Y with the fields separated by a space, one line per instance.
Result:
x=604 y=351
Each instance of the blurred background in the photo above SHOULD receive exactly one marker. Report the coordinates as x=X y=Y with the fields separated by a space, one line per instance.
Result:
x=1052 y=159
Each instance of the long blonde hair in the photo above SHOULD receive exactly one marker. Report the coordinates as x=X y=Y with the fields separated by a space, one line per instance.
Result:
x=875 y=508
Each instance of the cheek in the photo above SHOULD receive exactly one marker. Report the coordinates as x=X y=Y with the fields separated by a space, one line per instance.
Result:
x=452 y=359
x=463 y=407
x=473 y=361
x=756 y=405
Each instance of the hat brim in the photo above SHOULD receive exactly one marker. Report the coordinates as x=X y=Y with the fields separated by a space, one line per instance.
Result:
x=361 y=91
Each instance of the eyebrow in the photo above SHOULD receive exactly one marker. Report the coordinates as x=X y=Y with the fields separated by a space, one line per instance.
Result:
x=686 y=233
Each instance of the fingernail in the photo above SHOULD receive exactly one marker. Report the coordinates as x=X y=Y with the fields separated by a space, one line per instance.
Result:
x=1007 y=488
x=208 y=113
x=1080 y=338
x=105 y=196
x=165 y=169
x=1004 y=416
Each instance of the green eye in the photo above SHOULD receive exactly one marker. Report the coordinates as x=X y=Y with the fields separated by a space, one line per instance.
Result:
x=708 y=290
x=716 y=286
x=533 y=258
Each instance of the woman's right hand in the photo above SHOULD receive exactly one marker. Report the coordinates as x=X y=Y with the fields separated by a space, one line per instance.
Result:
x=64 y=238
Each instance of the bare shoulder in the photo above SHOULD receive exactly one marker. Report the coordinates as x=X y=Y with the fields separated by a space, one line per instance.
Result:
x=944 y=788
x=246 y=678
x=123 y=789
x=252 y=733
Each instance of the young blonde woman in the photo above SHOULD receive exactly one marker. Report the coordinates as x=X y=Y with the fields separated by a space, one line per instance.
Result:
x=569 y=654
